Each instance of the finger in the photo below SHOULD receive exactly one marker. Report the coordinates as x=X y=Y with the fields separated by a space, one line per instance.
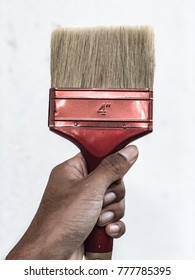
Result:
x=114 y=193
x=78 y=164
x=74 y=168
x=112 y=213
x=115 y=230
x=113 y=168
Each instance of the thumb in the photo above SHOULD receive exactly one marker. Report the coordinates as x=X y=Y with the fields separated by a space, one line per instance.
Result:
x=114 y=167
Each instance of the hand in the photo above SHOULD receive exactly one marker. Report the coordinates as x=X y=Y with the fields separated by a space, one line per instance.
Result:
x=73 y=203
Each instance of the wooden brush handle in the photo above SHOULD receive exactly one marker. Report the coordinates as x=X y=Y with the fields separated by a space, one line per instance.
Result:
x=98 y=245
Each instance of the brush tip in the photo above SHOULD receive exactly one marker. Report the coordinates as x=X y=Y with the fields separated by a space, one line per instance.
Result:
x=103 y=57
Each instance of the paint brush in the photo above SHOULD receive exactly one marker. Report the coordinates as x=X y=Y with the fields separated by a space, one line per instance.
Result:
x=101 y=96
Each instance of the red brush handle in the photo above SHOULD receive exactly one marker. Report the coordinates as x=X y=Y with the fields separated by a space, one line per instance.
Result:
x=98 y=245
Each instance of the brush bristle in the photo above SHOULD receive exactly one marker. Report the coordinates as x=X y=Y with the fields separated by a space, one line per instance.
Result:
x=103 y=57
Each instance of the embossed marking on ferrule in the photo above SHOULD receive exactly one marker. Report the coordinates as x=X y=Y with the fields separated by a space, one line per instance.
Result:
x=102 y=110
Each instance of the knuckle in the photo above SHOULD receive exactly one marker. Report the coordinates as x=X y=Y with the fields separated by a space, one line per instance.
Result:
x=120 y=209
x=120 y=190
x=122 y=228
x=55 y=171
x=114 y=165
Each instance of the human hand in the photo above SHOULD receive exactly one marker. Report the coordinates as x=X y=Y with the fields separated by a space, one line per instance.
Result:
x=73 y=202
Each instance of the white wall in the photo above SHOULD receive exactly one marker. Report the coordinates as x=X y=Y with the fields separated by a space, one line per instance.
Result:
x=160 y=209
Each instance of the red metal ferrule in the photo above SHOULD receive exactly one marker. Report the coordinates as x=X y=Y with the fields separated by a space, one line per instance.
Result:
x=89 y=116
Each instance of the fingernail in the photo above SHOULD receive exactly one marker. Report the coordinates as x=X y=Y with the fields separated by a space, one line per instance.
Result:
x=130 y=153
x=106 y=217
x=109 y=197
x=114 y=229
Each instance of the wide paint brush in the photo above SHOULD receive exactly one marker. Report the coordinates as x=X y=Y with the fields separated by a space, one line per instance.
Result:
x=101 y=96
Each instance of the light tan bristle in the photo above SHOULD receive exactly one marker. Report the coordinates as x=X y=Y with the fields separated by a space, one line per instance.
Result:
x=103 y=57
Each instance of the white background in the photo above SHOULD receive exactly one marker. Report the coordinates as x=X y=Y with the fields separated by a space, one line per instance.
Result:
x=160 y=200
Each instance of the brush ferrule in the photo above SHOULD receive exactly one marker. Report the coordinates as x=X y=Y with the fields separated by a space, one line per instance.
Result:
x=99 y=121
x=117 y=108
